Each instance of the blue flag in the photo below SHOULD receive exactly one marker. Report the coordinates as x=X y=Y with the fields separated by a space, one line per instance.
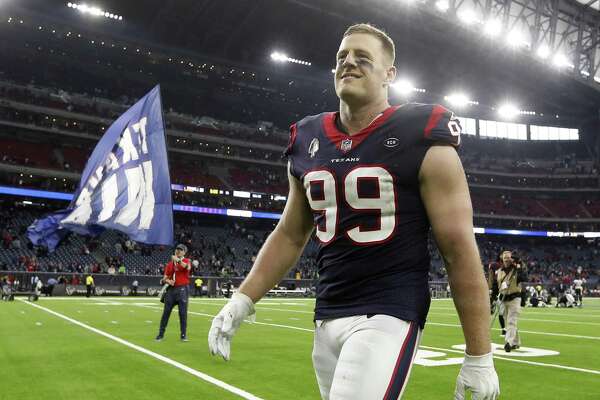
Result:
x=125 y=184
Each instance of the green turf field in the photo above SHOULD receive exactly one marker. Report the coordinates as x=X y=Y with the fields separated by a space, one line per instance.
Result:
x=45 y=356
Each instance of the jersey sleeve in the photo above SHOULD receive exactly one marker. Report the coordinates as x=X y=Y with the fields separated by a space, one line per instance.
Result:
x=290 y=147
x=442 y=126
x=169 y=269
x=291 y=151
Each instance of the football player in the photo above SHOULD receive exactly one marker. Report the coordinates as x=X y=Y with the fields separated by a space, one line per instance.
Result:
x=493 y=268
x=578 y=287
x=370 y=181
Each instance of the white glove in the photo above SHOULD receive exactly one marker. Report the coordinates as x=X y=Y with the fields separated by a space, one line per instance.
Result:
x=479 y=376
x=227 y=322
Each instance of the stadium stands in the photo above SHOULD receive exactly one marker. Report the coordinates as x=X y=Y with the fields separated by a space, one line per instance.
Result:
x=232 y=140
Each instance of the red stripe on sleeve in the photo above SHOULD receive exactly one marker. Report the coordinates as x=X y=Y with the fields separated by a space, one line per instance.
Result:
x=436 y=114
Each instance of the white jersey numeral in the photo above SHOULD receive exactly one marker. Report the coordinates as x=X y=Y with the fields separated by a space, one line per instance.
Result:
x=384 y=202
x=327 y=204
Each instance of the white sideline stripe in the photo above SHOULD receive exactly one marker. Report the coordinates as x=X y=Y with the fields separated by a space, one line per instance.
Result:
x=259 y=307
x=162 y=358
x=428 y=323
x=550 y=312
x=522 y=331
x=137 y=298
x=589 y=371
x=553 y=315
x=256 y=322
x=533 y=319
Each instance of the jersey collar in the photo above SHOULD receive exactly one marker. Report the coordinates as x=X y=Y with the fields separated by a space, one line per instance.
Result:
x=345 y=142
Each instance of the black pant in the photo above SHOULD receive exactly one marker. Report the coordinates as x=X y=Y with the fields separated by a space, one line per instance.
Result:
x=198 y=291
x=89 y=290
x=177 y=295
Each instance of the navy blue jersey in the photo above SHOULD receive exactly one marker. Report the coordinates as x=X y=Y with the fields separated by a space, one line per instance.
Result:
x=370 y=222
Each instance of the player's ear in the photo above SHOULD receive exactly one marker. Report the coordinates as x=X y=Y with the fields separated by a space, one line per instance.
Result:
x=390 y=76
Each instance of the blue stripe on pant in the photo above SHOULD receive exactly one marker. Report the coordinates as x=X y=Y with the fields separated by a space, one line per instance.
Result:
x=177 y=295
x=403 y=364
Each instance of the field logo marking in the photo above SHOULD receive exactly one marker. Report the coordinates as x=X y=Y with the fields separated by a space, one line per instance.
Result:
x=540 y=364
x=430 y=358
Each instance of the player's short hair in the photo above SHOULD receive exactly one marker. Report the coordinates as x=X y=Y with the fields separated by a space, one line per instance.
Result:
x=386 y=41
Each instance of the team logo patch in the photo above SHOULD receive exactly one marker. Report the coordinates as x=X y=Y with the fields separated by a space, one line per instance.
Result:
x=346 y=145
x=313 y=147
x=391 y=142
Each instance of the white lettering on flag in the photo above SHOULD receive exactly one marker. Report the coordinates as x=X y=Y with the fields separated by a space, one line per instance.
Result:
x=147 y=209
x=129 y=150
x=140 y=128
x=109 y=192
x=131 y=210
x=83 y=210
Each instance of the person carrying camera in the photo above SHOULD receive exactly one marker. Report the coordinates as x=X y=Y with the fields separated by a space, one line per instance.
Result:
x=508 y=281
x=177 y=276
x=492 y=274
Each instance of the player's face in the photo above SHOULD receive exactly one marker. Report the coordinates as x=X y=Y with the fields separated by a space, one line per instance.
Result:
x=363 y=70
x=507 y=258
x=179 y=253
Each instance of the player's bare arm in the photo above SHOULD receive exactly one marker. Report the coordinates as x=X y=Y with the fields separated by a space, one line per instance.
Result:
x=446 y=197
x=278 y=254
x=284 y=245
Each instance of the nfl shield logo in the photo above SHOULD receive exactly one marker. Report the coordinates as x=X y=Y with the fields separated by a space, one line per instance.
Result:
x=346 y=145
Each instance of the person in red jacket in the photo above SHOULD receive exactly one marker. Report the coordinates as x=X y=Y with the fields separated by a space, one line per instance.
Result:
x=177 y=276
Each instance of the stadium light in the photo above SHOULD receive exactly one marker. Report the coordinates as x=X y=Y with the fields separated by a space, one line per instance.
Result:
x=94 y=11
x=526 y=112
x=279 y=57
x=508 y=111
x=282 y=57
x=442 y=5
x=516 y=39
x=543 y=52
x=467 y=17
x=403 y=87
x=492 y=28
x=459 y=100
x=560 y=60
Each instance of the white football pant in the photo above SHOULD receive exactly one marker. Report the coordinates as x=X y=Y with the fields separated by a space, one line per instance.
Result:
x=361 y=358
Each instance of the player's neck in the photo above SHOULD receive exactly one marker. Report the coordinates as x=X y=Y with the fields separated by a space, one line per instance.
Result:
x=355 y=119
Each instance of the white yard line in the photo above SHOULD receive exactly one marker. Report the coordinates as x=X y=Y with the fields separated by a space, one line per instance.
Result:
x=522 y=331
x=239 y=392
x=256 y=322
x=589 y=371
x=157 y=307
x=547 y=312
x=427 y=324
x=531 y=319
x=259 y=307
